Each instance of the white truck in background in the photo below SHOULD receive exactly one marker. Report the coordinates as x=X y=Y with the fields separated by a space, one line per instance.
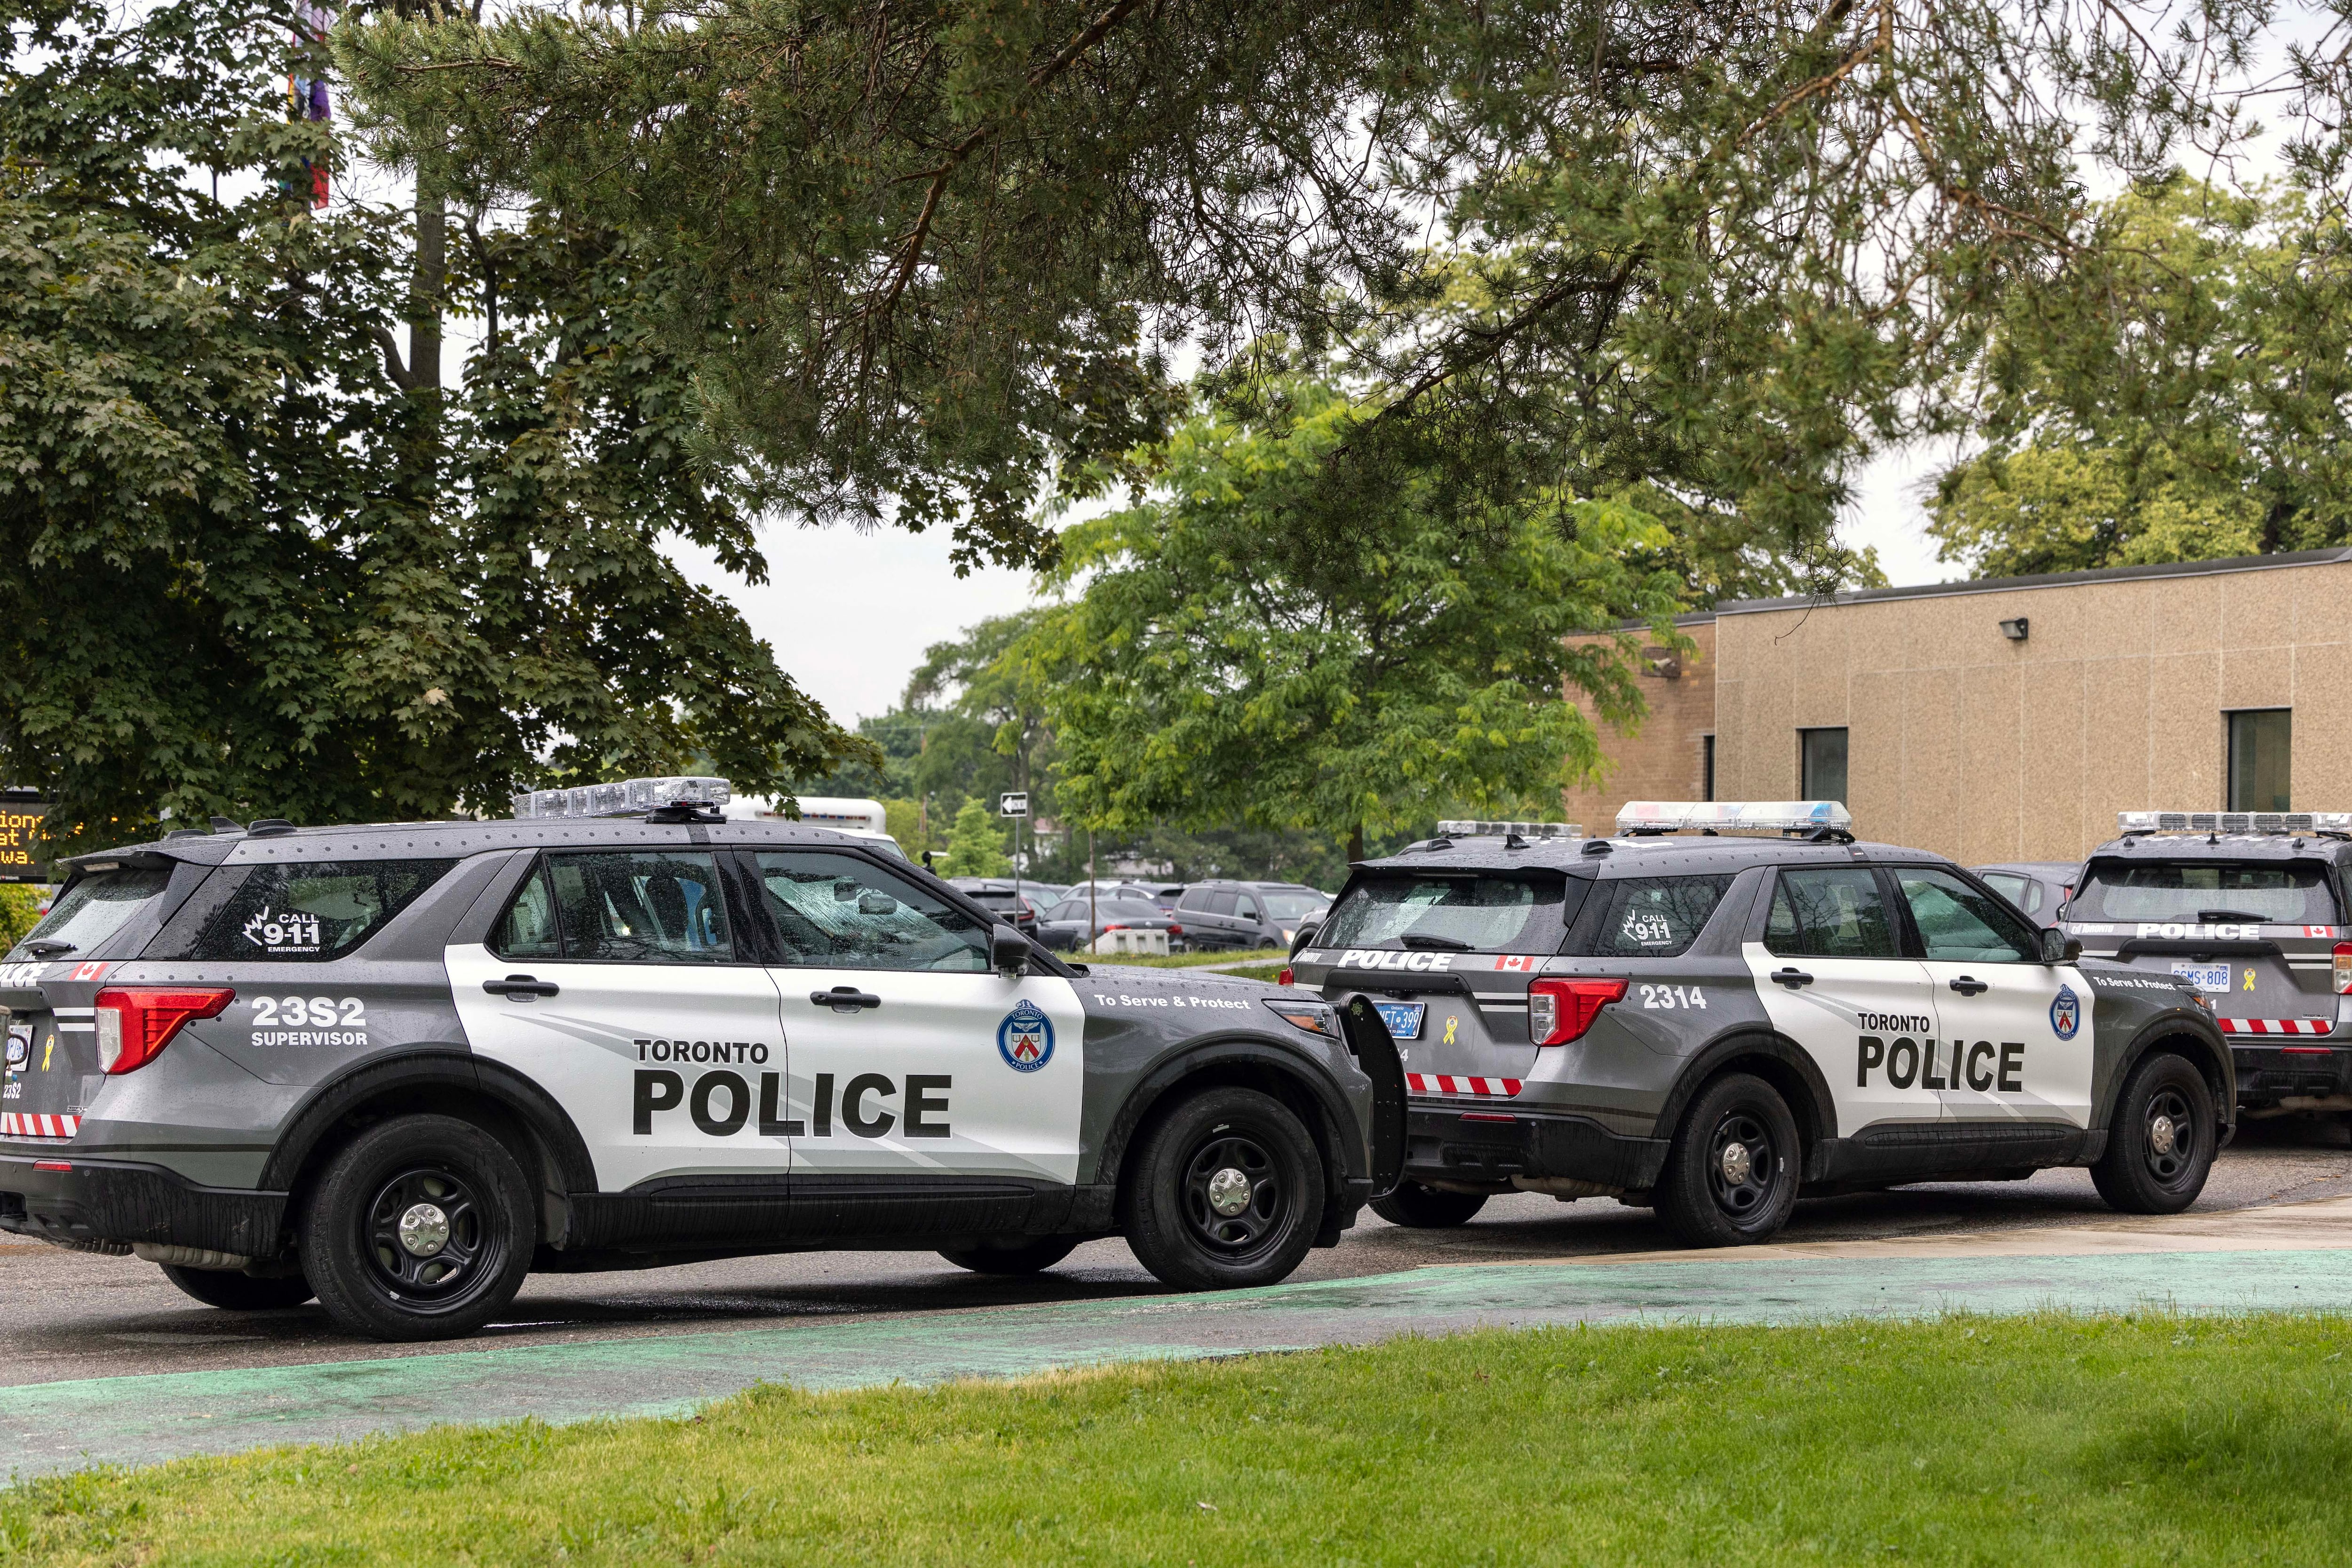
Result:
x=858 y=818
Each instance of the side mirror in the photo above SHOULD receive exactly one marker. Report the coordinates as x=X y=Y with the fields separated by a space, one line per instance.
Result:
x=1008 y=950
x=1306 y=937
x=2057 y=947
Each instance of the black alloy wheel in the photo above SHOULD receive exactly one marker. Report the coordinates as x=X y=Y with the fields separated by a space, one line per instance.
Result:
x=1225 y=1189
x=2161 y=1139
x=1731 y=1173
x=421 y=1227
x=238 y=1291
x=1428 y=1208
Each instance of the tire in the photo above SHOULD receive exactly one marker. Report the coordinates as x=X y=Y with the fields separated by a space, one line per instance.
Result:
x=380 y=1278
x=1427 y=1209
x=2160 y=1140
x=1032 y=1257
x=1708 y=1196
x=238 y=1293
x=1198 y=1158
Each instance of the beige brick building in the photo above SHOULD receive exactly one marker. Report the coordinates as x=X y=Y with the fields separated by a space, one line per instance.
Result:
x=2011 y=719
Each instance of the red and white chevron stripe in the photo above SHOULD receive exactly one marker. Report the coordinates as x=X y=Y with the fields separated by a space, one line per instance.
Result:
x=1448 y=1083
x=28 y=1124
x=2277 y=1025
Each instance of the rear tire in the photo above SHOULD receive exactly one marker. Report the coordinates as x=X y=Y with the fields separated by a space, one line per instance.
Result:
x=419 y=1228
x=1428 y=1208
x=1029 y=1258
x=1225 y=1192
x=2160 y=1140
x=1732 y=1170
x=236 y=1292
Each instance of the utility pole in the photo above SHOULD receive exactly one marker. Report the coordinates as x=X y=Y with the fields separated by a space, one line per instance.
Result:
x=1093 y=931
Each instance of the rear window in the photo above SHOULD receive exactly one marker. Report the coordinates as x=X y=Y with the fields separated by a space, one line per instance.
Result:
x=2197 y=893
x=1428 y=911
x=305 y=912
x=97 y=905
x=1654 y=917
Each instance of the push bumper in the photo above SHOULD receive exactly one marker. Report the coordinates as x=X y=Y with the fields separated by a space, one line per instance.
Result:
x=1487 y=1144
x=58 y=1196
x=2279 y=1073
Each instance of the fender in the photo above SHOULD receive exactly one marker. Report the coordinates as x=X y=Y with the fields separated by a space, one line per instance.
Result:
x=1251 y=1051
x=1748 y=1040
x=446 y=1067
x=2172 y=1026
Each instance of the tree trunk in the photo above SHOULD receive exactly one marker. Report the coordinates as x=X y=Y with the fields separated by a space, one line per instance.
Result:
x=426 y=282
x=1355 y=842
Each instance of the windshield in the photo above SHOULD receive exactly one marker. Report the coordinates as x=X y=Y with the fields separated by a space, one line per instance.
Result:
x=2193 y=892
x=1293 y=906
x=1465 y=914
x=97 y=906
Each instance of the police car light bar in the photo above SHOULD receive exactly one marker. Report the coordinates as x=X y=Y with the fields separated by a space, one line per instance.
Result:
x=630 y=797
x=2132 y=824
x=1732 y=816
x=1466 y=829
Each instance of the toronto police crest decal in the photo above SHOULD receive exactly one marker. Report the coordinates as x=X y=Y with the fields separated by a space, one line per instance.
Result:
x=2066 y=1012
x=1026 y=1038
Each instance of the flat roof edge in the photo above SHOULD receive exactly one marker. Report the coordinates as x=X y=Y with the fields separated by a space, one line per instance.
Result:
x=2332 y=555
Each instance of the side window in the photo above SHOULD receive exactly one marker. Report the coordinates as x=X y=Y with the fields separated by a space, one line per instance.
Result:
x=1829 y=911
x=1219 y=903
x=1957 y=922
x=641 y=906
x=527 y=928
x=1657 y=916
x=302 y=911
x=1194 y=899
x=1245 y=907
x=835 y=911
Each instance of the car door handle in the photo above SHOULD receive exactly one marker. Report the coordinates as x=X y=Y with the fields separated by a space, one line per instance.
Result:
x=520 y=986
x=1969 y=985
x=844 y=999
x=1791 y=978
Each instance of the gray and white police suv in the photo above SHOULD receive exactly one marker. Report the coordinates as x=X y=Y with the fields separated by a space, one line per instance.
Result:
x=1717 y=1026
x=2249 y=908
x=401 y=1066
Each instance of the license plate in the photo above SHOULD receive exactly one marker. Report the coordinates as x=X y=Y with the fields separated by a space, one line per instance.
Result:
x=2213 y=979
x=1403 y=1018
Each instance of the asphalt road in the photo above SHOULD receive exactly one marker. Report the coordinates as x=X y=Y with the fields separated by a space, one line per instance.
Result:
x=68 y=1315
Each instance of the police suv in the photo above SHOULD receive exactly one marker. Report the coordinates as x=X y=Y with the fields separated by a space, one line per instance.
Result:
x=1715 y=1025
x=401 y=1066
x=2248 y=908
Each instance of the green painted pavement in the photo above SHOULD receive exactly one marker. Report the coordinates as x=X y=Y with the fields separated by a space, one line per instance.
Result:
x=65 y=1426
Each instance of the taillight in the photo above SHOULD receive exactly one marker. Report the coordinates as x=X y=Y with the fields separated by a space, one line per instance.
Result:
x=134 y=1025
x=1560 y=1011
x=1175 y=931
x=1283 y=978
x=2344 y=968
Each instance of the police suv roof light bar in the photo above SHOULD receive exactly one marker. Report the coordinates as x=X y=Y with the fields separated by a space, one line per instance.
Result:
x=630 y=797
x=1469 y=829
x=1639 y=818
x=2135 y=823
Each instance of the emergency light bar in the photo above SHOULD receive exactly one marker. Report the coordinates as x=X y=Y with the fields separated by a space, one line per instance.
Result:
x=1732 y=816
x=630 y=797
x=1505 y=829
x=2132 y=824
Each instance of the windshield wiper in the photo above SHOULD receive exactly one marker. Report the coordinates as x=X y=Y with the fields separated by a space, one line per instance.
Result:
x=2209 y=916
x=1426 y=943
x=49 y=947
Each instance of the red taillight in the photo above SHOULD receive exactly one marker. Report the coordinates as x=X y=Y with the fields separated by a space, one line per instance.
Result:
x=1175 y=931
x=1560 y=1011
x=2344 y=968
x=134 y=1024
x=1283 y=978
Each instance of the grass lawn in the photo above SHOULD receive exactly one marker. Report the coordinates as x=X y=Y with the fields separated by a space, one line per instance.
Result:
x=1273 y=957
x=2058 y=1439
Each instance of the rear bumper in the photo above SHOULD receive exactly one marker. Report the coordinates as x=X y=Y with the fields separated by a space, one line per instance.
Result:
x=1480 y=1144
x=2277 y=1072
x=114 y=1201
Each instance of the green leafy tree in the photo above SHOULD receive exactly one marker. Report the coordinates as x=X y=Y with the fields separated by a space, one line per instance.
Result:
x=1269 y=645
x=266 y=563
x=20 y=911
x=976 y=848
x=2178 y=391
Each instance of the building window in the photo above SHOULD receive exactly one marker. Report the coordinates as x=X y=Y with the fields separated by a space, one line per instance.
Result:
x=2260 y=741
x=1707 y=767
x=1822 y=755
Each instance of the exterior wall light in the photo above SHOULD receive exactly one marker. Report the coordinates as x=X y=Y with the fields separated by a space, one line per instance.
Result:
x=2014 y=630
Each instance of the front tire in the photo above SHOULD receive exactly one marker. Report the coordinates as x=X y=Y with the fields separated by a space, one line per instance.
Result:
x=1032 y=1257
x=2162 y=1140
x=238 y=1293
x=1428 y=1208
x=1225 y=1192
x=420 y=1229
x=1732 y=1170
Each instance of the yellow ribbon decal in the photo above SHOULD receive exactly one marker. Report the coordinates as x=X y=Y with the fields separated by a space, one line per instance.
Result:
x=1450 y=1023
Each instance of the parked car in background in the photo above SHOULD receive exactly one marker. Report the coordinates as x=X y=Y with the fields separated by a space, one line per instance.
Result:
x=1065 y=927
x=1247 y=914
x=1120 y=888
x=2038 y=887
x=999 y=898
